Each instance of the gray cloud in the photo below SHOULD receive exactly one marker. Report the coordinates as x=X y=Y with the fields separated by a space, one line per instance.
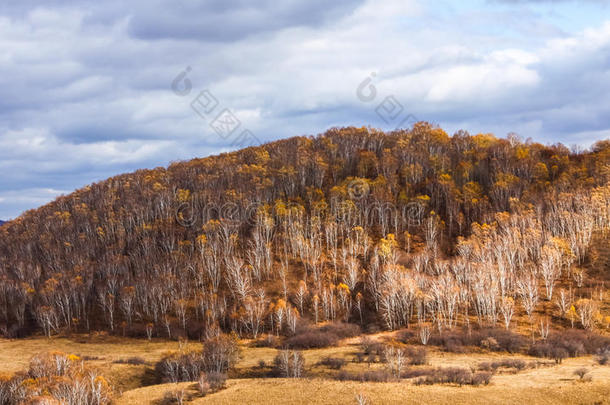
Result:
x=222 y=20
x=85 y=86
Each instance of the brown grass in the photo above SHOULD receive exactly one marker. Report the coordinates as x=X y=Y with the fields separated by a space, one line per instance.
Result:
x=554 y=384
x=282 y=391
x=15 y=355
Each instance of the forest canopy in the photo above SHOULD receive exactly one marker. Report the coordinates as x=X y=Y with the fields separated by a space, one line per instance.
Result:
x=386 y=229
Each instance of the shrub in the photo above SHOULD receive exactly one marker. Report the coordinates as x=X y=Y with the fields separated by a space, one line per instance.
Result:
x=376 y=376
x=52 y=364
x=335 y=363
x=489 y=343
x=366 y=376
x=501 y=340
x=482 y=377
x=341 y=330
x=407 y=336
x=417 y=372
x=548 y=350
x=516 y=364
x=202 y=385
x=289 y=364
x=362 y=399
x=173 y=397
x=209 y=382
x=218 y=355
x=368 y=346
x=176 y=367
x=216 y=380
x=417 y=355
x=603 y=356
x=325 y=336
x=55 y=378
x=455 y=375
x=312 y=339
x=494 y=339
x=569 y=343
x=12 y=390
x=581 y=372
x=135 y=361
x=268 y=341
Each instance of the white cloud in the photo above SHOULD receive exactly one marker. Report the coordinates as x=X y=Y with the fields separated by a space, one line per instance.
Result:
x=85 y=86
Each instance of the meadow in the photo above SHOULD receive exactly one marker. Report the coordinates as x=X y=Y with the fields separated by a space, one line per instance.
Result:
x=546 y=383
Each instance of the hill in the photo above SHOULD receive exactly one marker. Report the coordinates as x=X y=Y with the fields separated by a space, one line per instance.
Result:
x=385 y=230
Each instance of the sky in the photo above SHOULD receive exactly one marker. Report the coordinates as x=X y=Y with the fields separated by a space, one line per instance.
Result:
x=92 y=89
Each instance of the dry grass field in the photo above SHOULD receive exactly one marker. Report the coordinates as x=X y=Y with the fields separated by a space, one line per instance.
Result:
x=135 y=384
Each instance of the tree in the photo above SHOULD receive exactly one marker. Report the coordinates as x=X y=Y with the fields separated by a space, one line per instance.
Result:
x=300 y=295
x=289 y=363
x=396 y=360
x=527 y=287
x=219 y=353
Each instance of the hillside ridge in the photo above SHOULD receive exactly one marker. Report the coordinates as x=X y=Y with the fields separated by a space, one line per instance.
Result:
x=353 y=224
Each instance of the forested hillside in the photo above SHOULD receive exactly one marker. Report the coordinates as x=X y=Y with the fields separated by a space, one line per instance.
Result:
x=410 y=228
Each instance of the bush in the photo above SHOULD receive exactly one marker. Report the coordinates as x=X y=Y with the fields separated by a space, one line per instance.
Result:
x=369 y=346
x=12 y=390
x=173 y=397
x=202 y=385
x=52 y=364
x=268 y=341
x=312 y=339
x=215 y=380
x=549 y=351
x=341 y=330
x=362 y=399
x=581 y=372
x=603 y=356
x=366 y=376
x=417 y=372
x=218 y=355
x=494 y=339
x=417 y=355
x=55 y=378
x=135 y=361
x=455 y=375
x=176 y=367
x=335 y=363
x=325 y=336
x=482 y=377
x=569 y=343
x=489 y=343
x=516 y=364
x=501 y=340
x=407 y=336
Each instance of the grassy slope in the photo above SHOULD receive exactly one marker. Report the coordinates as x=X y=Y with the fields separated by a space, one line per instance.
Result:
x=546 y=385
x=333 y=392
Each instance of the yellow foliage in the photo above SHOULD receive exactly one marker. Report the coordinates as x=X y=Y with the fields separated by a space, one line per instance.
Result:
x=183 y=195
x=73 y=357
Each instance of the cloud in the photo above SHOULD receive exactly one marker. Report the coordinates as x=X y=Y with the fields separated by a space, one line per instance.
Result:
x=229 y=20
x=85 y=87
